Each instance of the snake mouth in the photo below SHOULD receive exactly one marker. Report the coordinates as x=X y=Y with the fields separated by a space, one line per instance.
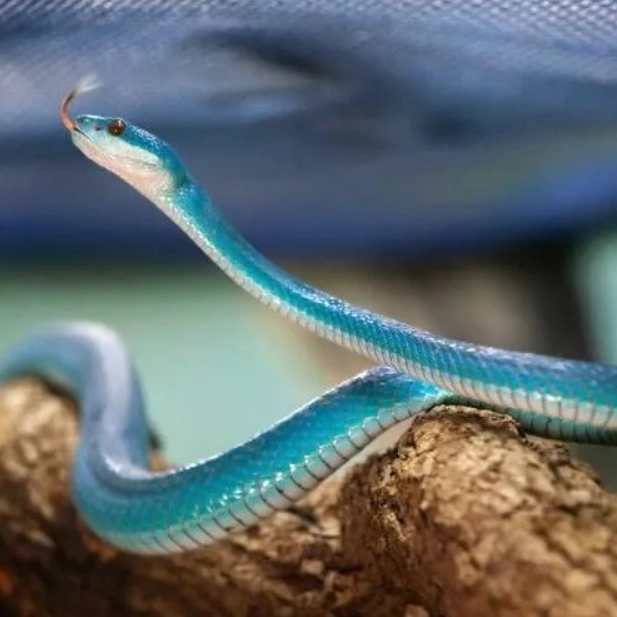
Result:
x=64 y=116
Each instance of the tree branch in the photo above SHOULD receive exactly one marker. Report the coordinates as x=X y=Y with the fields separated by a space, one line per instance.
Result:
x=467 y=517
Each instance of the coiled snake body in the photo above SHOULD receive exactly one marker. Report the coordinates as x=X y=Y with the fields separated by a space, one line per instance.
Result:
x=145 y=512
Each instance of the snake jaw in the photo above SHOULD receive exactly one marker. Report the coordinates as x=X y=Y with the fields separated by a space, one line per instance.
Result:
x=64 y=116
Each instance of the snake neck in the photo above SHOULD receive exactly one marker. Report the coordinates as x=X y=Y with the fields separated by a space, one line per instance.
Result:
x=191 y=209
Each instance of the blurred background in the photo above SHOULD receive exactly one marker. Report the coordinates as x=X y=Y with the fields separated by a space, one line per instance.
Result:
x=451 y=164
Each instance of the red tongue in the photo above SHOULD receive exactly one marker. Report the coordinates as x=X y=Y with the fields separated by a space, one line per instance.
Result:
x=64 y=116
x=89 y=82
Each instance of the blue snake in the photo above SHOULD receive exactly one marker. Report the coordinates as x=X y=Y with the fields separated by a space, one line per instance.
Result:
x=147 y=512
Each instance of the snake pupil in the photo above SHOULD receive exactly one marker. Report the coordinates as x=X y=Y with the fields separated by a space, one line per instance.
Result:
x=116 y=127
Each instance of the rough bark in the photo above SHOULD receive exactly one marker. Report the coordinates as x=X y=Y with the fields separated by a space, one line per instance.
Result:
x=467 y=517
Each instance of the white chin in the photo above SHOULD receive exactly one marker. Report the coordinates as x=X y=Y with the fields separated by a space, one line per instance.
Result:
x=144 y=176
x=86 y=147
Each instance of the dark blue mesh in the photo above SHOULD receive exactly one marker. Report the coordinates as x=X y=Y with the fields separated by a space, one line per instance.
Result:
x=408 y=125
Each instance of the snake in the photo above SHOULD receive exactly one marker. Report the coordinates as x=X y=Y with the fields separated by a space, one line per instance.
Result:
x=144 y=511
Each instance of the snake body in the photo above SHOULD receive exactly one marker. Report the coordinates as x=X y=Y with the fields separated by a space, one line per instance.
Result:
x=160 y=512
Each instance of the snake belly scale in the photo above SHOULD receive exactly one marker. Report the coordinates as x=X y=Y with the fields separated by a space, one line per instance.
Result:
x=160 y=512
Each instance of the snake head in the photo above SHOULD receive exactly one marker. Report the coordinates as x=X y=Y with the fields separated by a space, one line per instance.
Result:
x=142 y=160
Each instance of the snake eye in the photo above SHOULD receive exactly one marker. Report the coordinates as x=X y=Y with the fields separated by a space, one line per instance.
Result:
x=116 y=127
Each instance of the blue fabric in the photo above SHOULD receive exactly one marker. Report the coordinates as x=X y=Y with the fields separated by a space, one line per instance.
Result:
x=331 y=125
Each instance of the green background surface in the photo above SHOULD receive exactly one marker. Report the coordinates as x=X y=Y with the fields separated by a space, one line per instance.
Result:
x=215 y=370
x=596 y=275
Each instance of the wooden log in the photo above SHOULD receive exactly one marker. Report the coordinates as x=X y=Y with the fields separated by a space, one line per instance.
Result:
x=466 y=517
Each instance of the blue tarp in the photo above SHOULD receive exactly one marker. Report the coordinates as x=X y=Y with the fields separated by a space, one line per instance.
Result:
x=403 y=126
